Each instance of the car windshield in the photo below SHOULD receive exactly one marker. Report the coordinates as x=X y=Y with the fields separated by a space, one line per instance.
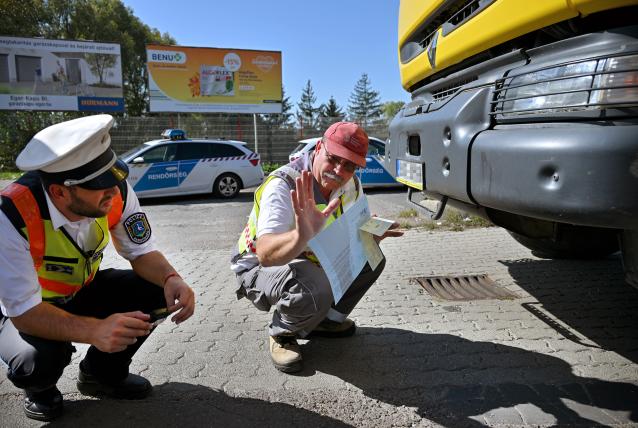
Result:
x=133 y=150
x=299 y=147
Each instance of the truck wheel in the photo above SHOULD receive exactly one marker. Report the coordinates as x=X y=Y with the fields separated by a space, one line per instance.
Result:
x=227 y=186
x=573 y=242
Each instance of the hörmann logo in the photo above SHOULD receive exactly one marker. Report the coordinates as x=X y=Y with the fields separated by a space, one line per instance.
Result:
x=171 y=57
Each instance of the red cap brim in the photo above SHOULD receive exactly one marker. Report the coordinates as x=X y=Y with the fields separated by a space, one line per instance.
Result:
x=342 y=152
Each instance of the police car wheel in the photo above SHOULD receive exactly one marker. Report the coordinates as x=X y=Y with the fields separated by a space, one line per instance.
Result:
x=227 y=186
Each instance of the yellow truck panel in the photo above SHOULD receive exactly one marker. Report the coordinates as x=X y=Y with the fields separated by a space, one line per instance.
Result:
x=501 y=21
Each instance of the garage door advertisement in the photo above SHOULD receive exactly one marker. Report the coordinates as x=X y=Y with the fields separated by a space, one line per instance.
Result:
x=188 y=79
x=60 y=75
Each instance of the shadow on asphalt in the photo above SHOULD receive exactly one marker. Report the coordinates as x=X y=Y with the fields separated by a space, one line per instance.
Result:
x=450 y=380
x=590 y=298
x=178 y=404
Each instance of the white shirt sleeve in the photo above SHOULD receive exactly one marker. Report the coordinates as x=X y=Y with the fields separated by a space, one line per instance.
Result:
x=123 y=242
x=276 y=214
x=19 y=286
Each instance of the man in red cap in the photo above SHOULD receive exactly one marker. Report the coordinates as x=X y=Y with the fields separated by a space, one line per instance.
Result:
x=273 y=265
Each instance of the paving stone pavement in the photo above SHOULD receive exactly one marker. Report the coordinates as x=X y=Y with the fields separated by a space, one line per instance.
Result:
x=563 y=353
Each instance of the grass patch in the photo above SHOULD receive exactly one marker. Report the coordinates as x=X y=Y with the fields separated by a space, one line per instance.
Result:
x=10 y=175
x=453 y=220
x=6 y=89
x=409 y=213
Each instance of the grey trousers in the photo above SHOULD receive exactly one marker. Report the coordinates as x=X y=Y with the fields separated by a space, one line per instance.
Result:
x=301 y=295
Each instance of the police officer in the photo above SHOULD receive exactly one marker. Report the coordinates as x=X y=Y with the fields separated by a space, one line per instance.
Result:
x=273 y=265
x=55 y=222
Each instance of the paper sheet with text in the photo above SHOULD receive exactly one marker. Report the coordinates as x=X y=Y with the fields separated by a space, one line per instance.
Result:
x=343 y=249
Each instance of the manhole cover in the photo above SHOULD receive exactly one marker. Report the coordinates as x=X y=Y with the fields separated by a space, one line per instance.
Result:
x=464 y=288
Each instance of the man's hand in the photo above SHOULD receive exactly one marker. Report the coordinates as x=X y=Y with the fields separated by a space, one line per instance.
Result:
x=118 y=331
x=308 y=219
x=176 y=290
x=392 y=232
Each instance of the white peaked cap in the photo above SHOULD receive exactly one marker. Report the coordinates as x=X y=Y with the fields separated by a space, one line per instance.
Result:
x=67 y=145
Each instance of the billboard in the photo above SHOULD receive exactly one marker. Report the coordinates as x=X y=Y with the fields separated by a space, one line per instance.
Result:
x=188 y=79
x=69 y=75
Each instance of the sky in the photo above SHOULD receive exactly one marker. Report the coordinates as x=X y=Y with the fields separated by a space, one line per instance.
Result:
x=329 y=42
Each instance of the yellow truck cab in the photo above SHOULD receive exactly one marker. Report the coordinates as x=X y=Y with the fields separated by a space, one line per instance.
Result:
x=526 y=113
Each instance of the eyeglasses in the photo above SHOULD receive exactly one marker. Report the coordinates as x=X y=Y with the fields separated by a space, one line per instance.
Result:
x=336 y=160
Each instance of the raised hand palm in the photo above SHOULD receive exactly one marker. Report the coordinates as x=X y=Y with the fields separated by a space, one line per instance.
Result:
x=309 y=220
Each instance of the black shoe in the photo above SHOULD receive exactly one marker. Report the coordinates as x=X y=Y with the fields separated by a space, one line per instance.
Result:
x=43 y=406
x=133 y=387
x=329 y=328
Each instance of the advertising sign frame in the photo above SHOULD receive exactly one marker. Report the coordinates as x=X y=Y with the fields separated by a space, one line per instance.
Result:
x=60 y=75
x=185 y=79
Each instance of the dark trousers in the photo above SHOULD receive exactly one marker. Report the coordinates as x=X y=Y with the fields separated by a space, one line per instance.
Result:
x=36 y=364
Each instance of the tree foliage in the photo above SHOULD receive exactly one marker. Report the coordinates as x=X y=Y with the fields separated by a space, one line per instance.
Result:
x=330 y=113
x=283 y=118
x=99 y=63
x=364 y=103
x=390 y=109
x=306 y=110
x=100 y=20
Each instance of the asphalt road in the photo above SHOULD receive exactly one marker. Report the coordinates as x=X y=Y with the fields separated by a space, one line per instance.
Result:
x=563 y=351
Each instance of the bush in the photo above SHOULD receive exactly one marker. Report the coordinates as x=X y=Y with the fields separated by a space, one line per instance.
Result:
x=269 y=167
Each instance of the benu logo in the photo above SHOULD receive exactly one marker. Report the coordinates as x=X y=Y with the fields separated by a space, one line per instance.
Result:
x=172 y=57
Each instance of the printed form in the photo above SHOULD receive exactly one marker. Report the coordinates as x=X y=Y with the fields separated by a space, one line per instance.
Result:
x=343 y=249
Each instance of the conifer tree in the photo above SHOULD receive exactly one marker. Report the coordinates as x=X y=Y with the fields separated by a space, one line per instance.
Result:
x=306 y=110
x=330 y=113
x=364 y=103
x=283 y=118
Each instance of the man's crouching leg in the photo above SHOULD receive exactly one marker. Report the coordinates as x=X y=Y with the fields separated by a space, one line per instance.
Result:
x=337 y=324
x=35 y=365
x=301 y=295
x=112 y=291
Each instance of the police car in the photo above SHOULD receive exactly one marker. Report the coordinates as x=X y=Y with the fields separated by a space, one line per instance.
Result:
x=373 y=175
x=175 y=165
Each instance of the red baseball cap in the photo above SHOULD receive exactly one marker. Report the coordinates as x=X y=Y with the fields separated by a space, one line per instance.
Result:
x=347 y=140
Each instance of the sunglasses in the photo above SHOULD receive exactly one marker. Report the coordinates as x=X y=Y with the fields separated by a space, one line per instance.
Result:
x=336 y=160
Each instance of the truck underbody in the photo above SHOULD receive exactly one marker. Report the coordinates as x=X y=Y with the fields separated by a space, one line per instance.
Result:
x=538 y=135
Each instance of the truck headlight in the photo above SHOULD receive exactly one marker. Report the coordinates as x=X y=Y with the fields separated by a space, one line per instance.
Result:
x=587 y=85
x=620 y=81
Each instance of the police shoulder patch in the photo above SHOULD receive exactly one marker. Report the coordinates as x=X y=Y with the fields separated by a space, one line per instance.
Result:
x=137 y=228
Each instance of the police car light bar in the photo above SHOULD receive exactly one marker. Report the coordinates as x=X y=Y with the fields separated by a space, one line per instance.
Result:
x=174 y=134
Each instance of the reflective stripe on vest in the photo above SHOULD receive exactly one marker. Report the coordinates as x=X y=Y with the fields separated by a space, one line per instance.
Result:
x=247 y=240
x=27 y=206
x=59 y=279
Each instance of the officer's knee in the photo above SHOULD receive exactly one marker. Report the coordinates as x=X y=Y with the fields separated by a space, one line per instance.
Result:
x=38 y=367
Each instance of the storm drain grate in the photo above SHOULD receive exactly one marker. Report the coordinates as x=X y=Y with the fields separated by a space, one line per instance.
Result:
x=464 y=288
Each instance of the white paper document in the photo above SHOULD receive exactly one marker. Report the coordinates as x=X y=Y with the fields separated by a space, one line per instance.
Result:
x=343 y=250
x=377 y=225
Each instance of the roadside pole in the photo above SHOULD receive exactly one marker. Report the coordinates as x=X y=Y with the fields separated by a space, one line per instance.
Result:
x=255 y=127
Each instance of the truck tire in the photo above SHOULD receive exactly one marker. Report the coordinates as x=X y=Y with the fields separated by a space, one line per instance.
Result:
x=227 y=186
x=573 y=242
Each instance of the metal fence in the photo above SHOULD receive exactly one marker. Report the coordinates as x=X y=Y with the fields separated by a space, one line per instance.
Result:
x=274 y=142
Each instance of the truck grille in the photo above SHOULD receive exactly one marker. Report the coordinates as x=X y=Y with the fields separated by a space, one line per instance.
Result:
x=446 y=92
x=590 y=84
x=453 y=15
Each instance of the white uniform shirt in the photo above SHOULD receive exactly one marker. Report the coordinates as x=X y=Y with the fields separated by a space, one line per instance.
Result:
x=19 y=286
